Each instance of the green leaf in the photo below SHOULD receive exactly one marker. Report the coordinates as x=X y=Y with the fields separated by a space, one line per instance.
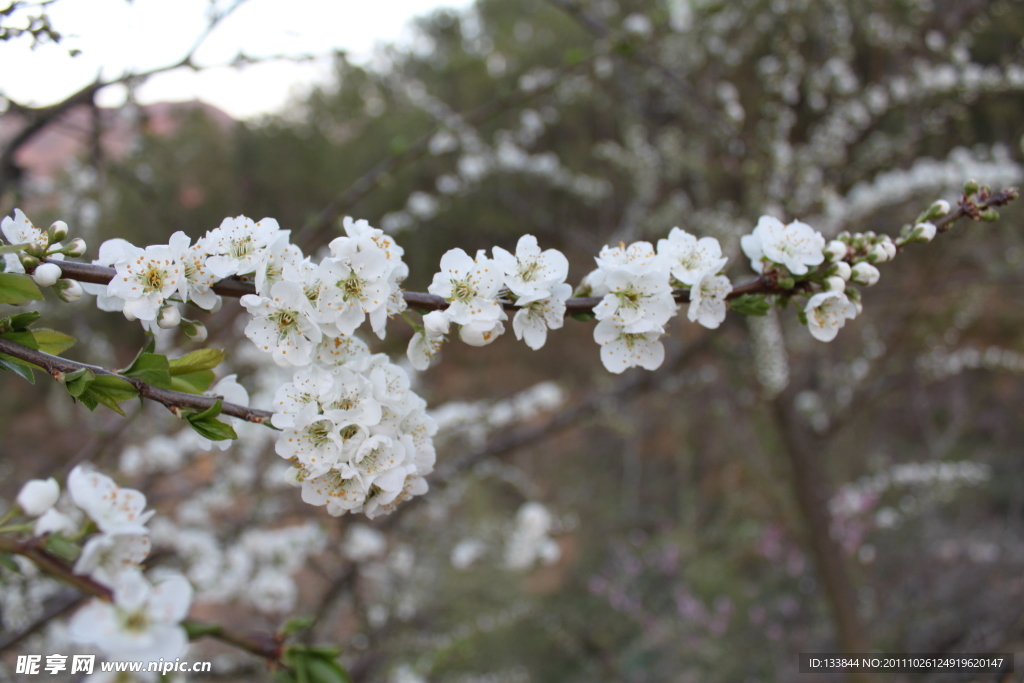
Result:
x=197 y=361
x=18 y=367
x=295 y=625
x=313 y=665
x=22 y=320
x=52 y=342
x=17 y=289
x=62 y=547
x=108 y=390
x=199 y=629
x=209 y=427
x=14 y=248
x=751 y=304
x=324 y=670
x=193 y=382
x=77 y=382
x=7 y=562
x=584 y=316
x=24 y=337
x=148 y=348
x=151 y=368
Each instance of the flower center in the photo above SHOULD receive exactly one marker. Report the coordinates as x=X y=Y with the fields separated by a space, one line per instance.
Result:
x=153 y=279
x=242 y=247
x=463 y=290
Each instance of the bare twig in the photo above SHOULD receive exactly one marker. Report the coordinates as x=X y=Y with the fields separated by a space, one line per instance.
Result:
x=39 y=118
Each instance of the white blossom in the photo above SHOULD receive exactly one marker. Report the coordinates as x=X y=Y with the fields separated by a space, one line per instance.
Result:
x=236 y=246
x=143 y=622
x=532 y=321
x=279 y=261
x=482 y=332
x=689 y=258
x=145 y=278
x=106 y=557
x=531 y=273
x=637 y=302
x=283 y=324
x=353 y=285
x=621 y=350
x=197 y=278
x=426 y=343
x=112 y=508
x=795 y=246
x=827 y=312
x=707 y=299
x=471 y=286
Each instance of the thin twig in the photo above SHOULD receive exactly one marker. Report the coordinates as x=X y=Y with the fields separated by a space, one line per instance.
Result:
x=56 y=367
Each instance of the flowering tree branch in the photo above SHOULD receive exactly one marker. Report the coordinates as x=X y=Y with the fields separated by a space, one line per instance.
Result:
x=236 y=288
x=969 y=207
x=175 y=401
x=267 y=646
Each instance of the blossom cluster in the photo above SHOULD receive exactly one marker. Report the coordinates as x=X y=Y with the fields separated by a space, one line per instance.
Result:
x=476 y=289
x=636 y=284
x=142 y=622
x=358 y=438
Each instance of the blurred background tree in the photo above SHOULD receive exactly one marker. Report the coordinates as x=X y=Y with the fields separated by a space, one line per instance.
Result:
x=762 y=494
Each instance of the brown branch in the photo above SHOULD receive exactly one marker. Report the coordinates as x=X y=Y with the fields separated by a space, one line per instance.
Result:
x=56 y=366
x=232 y=287
x=40 y=118
x=812 y=492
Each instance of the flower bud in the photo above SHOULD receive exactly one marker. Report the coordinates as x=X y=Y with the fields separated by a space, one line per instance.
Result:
x=75 y=248
x=990 y=216
x=878 y=254
x=938 y=209
x=169 y=317
x=835 y=284
x=923 y=232
x=865 y=274
x=843 y=270
x=38 y=496
x=890 y=250
x=69 y=291
x=28 y=261
x=57 y=232
x=835 y=251
x=46 y=274
x=787 y=282
x=194 y=330
x=435 y=324
x=971 y=187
